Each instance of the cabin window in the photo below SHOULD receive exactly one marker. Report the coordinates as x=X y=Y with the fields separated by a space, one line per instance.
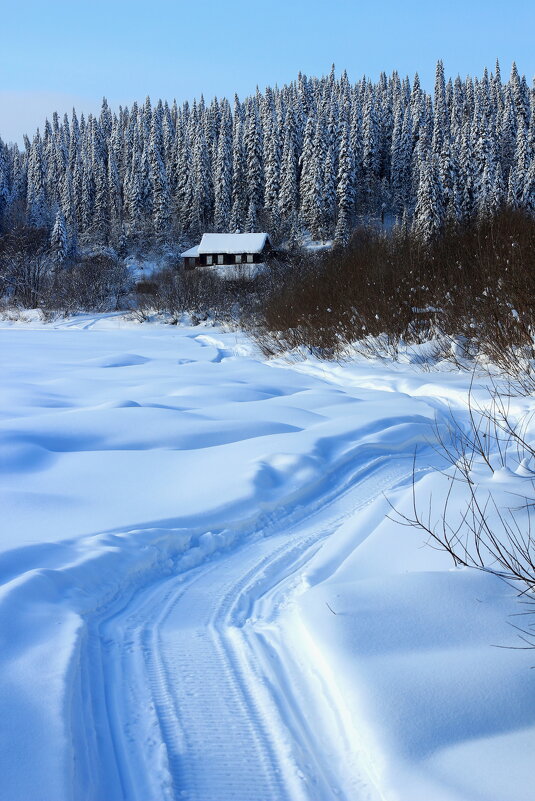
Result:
x=209 y=260
x=191 y=261
x=220 y=259
x=238 y=258
x=250 y=258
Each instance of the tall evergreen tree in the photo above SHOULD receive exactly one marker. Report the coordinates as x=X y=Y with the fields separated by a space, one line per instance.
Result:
x=238 y=211
x=38 y=213
x=254 y=175
x=429 y=212
x=223 y=173
x=161 y=199
x=4 y=181
x=519 y=170
x=289 y=193
x=370 y=150
x=58 y=240
x=440 y=117
x=344 y=188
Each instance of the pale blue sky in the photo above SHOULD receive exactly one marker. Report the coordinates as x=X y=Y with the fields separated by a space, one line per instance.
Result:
x=56 y=53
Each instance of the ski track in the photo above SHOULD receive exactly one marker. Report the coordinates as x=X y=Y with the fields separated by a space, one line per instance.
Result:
x=224 y=723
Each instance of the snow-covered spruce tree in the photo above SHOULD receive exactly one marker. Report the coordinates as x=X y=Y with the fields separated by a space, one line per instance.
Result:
x=531 y=127
x=161 y=199
x=4 y=181
x=58 y=241
x=116 y=201
x=520 y=96
x=87 y=200
x=105 y=120
x=254 y=174
x=448 y=173
x=181 y=173
x=355 y=135
x=417 y=103
x=97 y=199
x=388 y=94
x=440 y=116
x=311 y=174
x=134 y=198
x=485 y=163
x=429 y=211
x=37 y=208
x=223 y=173
x=100 y=228
x=289 y=192
x=506 y=135
x=68 y=211
x=401 y=159
x=74 y=142
x=457 y=110
x=519 y=169
x=466 y=170
x=370 y=151
x=272 y=153
x=238 y=210
x=330 y=169
x=168 y=135
x=344 y=188
x=17 y=182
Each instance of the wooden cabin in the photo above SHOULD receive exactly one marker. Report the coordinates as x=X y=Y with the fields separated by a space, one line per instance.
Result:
x=228 y=250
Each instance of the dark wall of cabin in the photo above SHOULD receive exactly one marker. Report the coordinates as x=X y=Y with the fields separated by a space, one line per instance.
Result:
x=229 y=259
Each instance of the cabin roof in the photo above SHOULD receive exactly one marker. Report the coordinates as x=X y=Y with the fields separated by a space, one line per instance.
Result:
x=192 y=252
x=231 y=243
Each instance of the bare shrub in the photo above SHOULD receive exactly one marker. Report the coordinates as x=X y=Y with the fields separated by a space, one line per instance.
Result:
x=98 y=282
x=200 y=293
x=327 y=301
x=485 y=287
x=25 y=266
x=473 y=284
x=491 y=532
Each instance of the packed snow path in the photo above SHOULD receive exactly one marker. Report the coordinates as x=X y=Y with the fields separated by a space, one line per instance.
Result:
x=202 y=597
x=188 y=649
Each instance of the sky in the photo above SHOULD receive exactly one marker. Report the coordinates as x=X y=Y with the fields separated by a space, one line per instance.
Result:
x=60 y=53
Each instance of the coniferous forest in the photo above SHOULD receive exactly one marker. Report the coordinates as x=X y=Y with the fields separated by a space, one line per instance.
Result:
x=429 y=201
x=312 y=158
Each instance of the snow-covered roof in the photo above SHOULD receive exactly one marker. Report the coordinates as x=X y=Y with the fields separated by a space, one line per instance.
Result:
x=190 y=253
x=232 y=243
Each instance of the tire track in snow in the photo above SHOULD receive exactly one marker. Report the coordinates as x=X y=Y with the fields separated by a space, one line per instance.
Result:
x=192 y=702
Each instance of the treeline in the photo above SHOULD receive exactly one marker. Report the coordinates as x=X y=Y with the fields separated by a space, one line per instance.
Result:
x=313 y=157
x=468 y=292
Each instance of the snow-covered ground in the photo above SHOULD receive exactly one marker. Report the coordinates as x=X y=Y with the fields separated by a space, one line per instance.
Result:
x=203 y=595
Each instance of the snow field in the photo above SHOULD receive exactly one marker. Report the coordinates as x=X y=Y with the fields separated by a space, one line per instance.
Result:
x=202 y=595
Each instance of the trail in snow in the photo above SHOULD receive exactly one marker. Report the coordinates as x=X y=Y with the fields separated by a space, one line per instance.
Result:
x=222 y=726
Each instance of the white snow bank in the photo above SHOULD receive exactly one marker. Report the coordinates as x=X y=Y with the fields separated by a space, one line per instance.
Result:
x=425 y=658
